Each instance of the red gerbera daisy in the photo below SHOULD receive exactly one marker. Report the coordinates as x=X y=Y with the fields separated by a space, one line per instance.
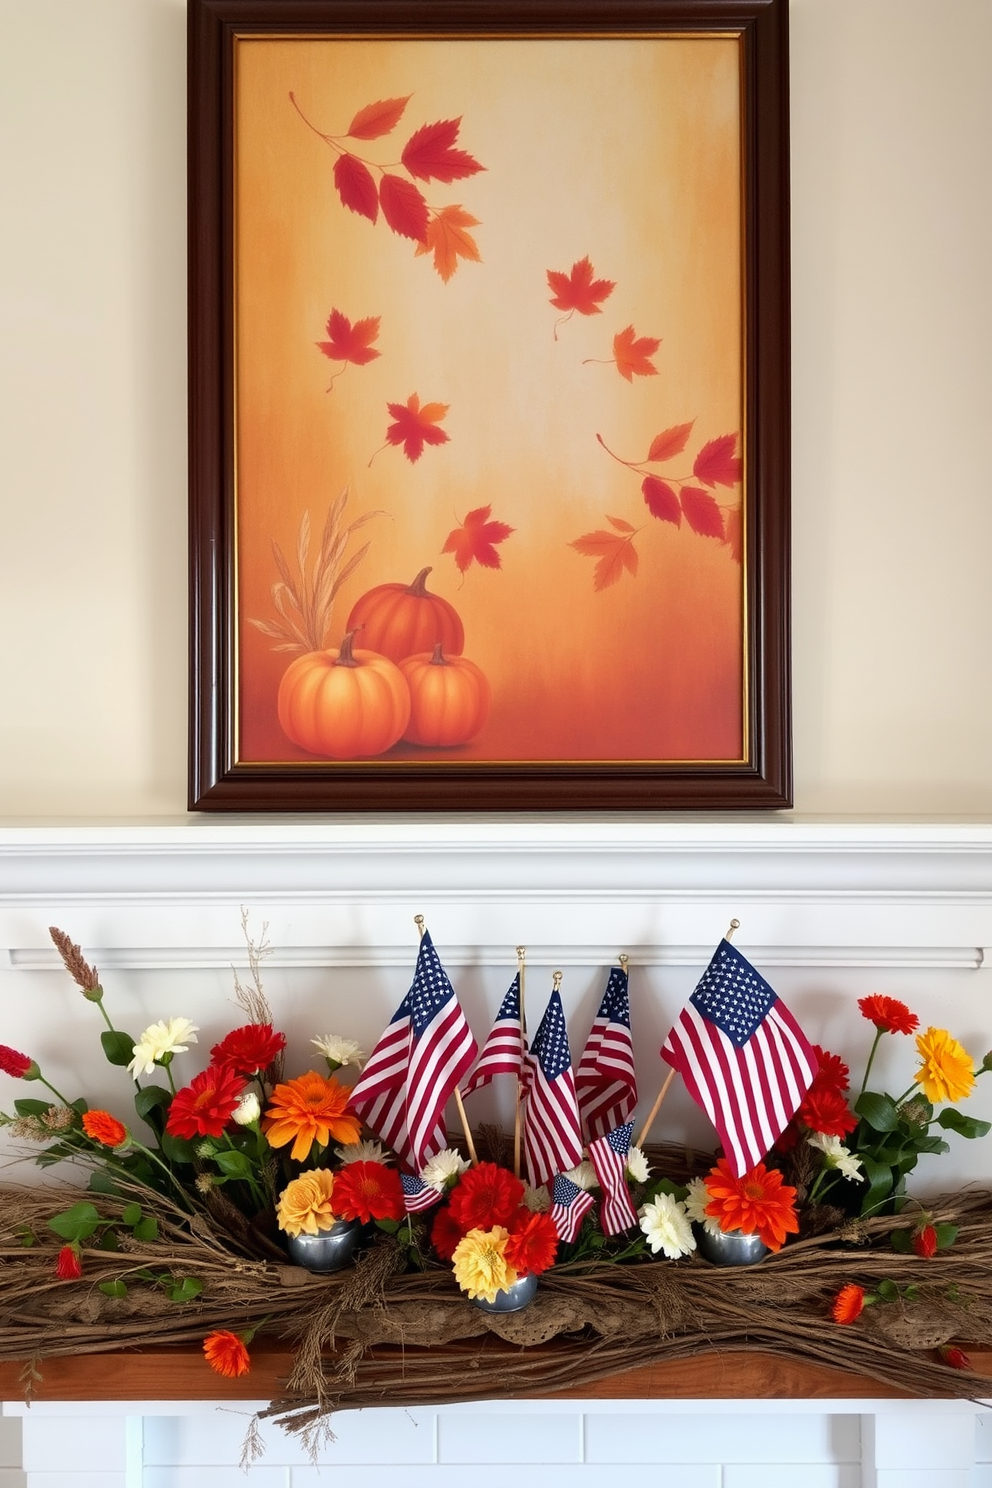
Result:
x=249 y=1049
x=533 y=1243
x=832 y=1073
x=100 y=1126
x=368 y=1190
x=446 y=1232
x=849 y=1303
x=485 y=1196
x=226 y=1353
x=888 y=1014
x=205 y=1106
x=827 y=1111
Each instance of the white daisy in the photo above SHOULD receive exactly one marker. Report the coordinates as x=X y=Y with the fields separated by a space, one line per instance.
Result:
x=667 y=1227
x=339 y=1051
x=160 y=1040
x=443 y=1169
x=363 y=1152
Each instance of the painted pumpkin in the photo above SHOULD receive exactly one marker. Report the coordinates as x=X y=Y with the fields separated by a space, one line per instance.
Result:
x=343 y=704
x=401 y=620
x=449 y=698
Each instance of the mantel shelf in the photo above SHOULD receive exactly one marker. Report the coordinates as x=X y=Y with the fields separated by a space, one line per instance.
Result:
x=182 y=1374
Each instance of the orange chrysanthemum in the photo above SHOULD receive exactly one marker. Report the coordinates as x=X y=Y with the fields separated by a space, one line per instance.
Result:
x=759 y=1203
x=849 y=1303
x=368 y=1190
x=100 y=1126
x=226 y=1353
x=533 y=1243
x=307 y=1110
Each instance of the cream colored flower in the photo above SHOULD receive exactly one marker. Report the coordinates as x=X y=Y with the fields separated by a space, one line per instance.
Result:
x=443 y=1169
x=480 y=1264
x=160 y=1040
x=248 y=1109
x=637 y=1166
x=667 y=1227
x=304 y=1206
x=537 y=1200
x=364 y=1151
x=339 y=1051
x=695 y=1206
x=583 y=1175
x=838 y=1156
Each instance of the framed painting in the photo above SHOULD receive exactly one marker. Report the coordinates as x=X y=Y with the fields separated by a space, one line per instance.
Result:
x=489 y=405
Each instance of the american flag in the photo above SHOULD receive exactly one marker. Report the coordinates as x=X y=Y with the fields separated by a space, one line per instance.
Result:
x=605 y=1082
x=552 y=1136
x=569 y=1205
x=608 y=1156
x=417 y=1194
x=743 y=1057
x=503 y=1051
x=422 y=1055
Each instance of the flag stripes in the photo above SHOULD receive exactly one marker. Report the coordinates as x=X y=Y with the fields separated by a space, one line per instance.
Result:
x=605 y=1079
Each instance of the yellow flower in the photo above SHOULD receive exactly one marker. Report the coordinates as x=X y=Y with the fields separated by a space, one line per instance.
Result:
x=481 y=1267
x=304 y=1206
x=947 y=1072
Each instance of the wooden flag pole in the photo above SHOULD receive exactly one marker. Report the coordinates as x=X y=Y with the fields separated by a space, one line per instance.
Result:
x=517 y=1122
x=418 y=920
x=734 y=925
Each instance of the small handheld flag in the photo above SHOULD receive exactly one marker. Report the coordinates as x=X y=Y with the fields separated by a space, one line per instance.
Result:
x=503 y=1051
x=608 y=1156
x=605 y=1081
x=569 y=1205
x=552 y=1137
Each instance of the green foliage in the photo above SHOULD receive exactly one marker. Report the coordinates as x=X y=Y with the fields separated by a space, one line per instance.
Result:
x=118 y=1047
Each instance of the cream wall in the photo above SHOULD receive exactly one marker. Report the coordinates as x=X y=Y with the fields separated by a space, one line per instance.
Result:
x=892 y=248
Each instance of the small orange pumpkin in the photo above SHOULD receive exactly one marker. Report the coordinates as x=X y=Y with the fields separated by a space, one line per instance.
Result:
x=402 y=619
x=449 y=698
x=343 y=704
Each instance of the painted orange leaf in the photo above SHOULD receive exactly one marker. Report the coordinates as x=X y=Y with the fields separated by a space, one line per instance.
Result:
x=670 y=442
x=578 y=290
x=350 y=343
x=430 y=155
x=661 y=499
x=613 y=552
x=403 y=207
x=734 y=533
x=475 y=540
x=716 y=463
x=702 y=512
x=448 y=240
x=633 y=353
x=413 y=426
x=377 y=119
x=356 y=187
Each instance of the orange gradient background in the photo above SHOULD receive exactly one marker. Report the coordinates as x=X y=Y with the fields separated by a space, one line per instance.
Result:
x=625 y=151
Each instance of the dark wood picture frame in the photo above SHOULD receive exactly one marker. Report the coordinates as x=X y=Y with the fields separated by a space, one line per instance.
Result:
x=218 y=780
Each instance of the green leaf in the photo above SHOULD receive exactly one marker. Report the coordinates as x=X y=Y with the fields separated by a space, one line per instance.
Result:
x=113 y=1288
x=118 y=1047
x=77 y=1223
x=390 y=1226
x=150 y=1099
x=878 y=1110
x=946 y=1235
x=902 y=1240
x=965 y=1126
x=888 y=1291
x=131 y=1215
x=177 y=1149
x=108 y=1241
x=880 y=1185
x=189 y=1288
x=27 y=1106
x=102 y=1182
x=233 y=1164
x=146 y=1229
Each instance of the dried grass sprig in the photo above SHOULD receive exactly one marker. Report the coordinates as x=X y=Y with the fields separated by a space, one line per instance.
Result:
x=83 y=974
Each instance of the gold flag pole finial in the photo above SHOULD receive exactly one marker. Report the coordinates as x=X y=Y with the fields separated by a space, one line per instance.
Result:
x=623 y=958
x=418 y=920
x=518 y=1111
x=734 y=925
x=556 y=981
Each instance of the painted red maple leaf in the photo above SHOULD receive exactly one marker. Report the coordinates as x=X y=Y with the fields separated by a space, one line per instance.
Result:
x=377 y=119
x=702 y=512
x=578 y=290
x=414 y=426
x=717 y=464
x=614 y=552
x=475 y=540
x=670 y=442
x=661 y=499
x=356 y=186
x=429 y=154
x=448 y=240
x=633 y=353
x=350 y=343
x=403 y=207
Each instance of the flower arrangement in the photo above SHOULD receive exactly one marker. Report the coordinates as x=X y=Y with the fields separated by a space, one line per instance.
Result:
x=258 y=1159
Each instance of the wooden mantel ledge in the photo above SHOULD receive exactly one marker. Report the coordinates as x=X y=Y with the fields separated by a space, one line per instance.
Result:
x=182 y=1374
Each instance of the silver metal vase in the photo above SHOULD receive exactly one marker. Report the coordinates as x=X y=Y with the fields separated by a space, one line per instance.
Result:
x=511 y=1298
x=328 y=1250
x=730 y=1247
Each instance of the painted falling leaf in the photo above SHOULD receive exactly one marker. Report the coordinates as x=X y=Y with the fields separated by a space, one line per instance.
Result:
x=356 y=187
x=429 y=154
x=448 y=240
x=578 y=290
x=348 y=342
x=633 y=353
x=669 y=442
x=475 y=540
x=403 y=207
x=613 y=551
x=734 y=533
x=414 y=426
x=377 y=119
x=717 y=464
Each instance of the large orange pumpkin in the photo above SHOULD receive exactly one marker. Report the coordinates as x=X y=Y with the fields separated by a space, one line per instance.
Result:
x=401 y=619
x=449 y=698
x=343 y=704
